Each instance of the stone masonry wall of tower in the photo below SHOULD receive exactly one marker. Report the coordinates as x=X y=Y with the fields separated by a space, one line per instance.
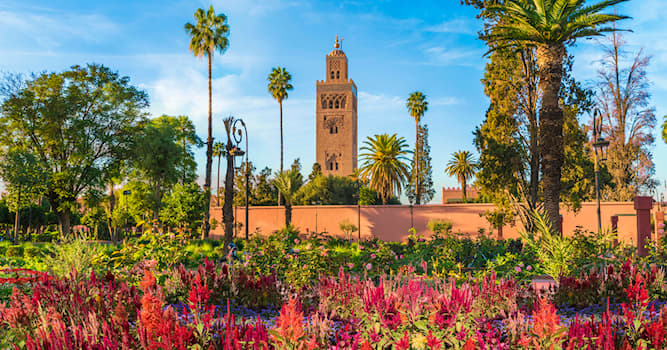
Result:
x=336 y=115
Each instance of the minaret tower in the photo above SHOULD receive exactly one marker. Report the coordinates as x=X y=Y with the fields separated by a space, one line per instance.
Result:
x=336 y=114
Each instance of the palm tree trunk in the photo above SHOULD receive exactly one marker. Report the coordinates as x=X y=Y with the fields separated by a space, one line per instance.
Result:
x=416 y=170
x=550 y=63
x=217 y=192
x=464 y=185
x=288 y=214
x=209 y=155
x=280 y=102
x=227 y=208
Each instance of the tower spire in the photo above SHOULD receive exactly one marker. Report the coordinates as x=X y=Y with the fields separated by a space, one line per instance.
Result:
x=336 y=45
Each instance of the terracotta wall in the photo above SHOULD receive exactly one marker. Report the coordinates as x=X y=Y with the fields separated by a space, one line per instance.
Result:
x=392 y=222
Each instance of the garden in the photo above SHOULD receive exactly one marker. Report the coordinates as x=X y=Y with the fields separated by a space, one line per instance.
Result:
x=305 y=290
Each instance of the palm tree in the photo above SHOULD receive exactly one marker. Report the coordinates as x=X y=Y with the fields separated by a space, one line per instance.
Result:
x=288 y=183
x=227 y=208
x=417 y=106
x=384 y=164
x=549 y=26
x=279 y=84
x=463 y=166
x=218 y=151
x=207 y=35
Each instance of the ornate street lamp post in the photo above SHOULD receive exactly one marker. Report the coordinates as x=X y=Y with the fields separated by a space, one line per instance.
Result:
x=599 y=144
x=238 y=135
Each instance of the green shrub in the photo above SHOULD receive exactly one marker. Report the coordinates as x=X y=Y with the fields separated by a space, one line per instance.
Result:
x=15 y=251
x=439 y=226
x=77 y=254
x=32 y=251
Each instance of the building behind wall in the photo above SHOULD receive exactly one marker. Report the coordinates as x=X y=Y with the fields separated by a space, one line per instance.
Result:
x=336 y=114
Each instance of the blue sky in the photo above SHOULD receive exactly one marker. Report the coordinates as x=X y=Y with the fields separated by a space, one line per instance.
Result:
x=393 y=47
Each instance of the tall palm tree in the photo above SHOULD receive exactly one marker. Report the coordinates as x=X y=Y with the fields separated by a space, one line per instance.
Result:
x=462 y=166
x=549 y=25
x=218 y=151
x=288 y=183
x=384 y=164
x=417 y=106
x=207 y=35
x=279 y=84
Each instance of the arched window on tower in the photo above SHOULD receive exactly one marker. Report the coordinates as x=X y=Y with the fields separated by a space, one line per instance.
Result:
x=331 y=166
x=332 y=74
x=330 y=104
x=337 y=74
x=336 y=165
x=337 y=104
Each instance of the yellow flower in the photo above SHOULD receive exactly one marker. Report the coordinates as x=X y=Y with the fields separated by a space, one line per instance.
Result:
x=419 y=342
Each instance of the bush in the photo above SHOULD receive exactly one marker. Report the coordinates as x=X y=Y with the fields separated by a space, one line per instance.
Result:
x=32 y=251
x=15 y=251
x=439 y=226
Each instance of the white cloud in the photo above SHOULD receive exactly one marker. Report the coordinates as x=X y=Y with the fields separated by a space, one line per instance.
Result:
x=445 y=56
x=47 y=28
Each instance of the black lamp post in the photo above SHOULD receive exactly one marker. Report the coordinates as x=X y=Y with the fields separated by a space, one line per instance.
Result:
x=599 y=144
x=238 y=135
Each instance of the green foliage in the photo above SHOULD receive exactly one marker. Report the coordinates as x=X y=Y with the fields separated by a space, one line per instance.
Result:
x=555 y=253
x=384 y=164
x=462 y=166
x=424 y=169
x=439 y=226
x=348 y=228
x=328 y=190
x=15 y=251
x=183 y=206
x=73 y=254
x=49 y=116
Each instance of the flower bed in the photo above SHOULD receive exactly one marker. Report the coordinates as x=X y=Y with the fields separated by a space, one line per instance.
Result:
x=402 y=311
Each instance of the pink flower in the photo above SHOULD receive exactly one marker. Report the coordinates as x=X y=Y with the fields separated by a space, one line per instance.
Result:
x=373 y=256
x=661 y=225
x=395 y=257
x=361 y=247
x=296 y=241
x=517 y=268
x=350 y=265
x=401 y=256
x=529 y=268
x=369 y=266
x=661 y=231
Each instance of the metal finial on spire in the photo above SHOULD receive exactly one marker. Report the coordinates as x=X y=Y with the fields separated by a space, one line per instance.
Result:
x=336 y=45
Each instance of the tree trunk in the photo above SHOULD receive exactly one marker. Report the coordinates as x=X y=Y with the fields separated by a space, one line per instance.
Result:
x=288 y=214
x=280 y=103
x=29 y=236
x=227 y=208
x=16 y=218
x=464 y=185
x=217 y=192
x=112 y=204
x=416 y=169
x=550 y=63
x=209 y=157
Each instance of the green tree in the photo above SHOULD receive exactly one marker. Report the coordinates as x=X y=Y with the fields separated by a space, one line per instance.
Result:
x=279 y=85
x=317 y=171
x=424 y=172
x=288 y=183
x=328 y=190
x=384 y=164
x=265 y=193
x=462 y=166
x=25 y=177
x=549 y=26
x=183 y=206
x=240 y=184
x=218 y=151
x=664 y=130
x=186 y=135
x=156 y=158
x=417 y=106
x=78 y=123
x=207 y=35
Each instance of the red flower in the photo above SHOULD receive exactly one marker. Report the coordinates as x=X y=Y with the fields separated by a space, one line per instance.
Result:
x=403 y=343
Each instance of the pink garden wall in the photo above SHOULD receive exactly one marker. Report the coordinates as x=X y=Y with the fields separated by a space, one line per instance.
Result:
x=392 y=222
